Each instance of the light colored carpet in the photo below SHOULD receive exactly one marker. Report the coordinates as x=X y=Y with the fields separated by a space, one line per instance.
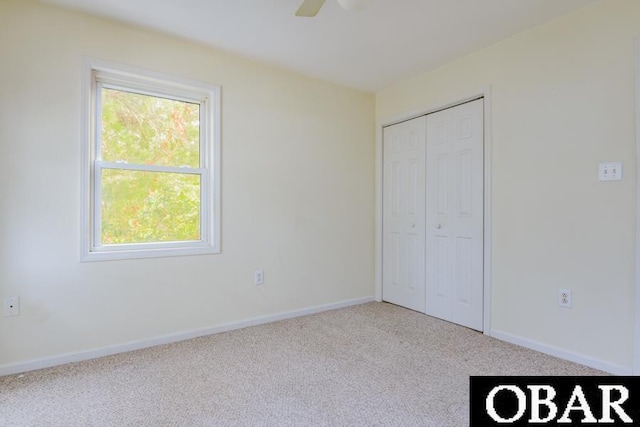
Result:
x=370 y=365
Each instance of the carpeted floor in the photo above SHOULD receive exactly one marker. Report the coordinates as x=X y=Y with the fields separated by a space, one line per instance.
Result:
x=369 y=365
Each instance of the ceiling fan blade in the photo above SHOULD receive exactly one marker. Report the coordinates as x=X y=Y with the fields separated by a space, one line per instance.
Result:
x=310 y=8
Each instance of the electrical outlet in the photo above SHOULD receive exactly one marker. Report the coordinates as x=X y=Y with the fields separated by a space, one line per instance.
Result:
x=258 y=277
x=11 y=306
x=564 y=298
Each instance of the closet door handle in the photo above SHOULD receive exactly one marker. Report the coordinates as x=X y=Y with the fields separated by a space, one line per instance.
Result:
x=438 y=226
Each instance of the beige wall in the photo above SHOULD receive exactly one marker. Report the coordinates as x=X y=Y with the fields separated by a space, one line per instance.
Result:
x=297 y=192
x=562 y=101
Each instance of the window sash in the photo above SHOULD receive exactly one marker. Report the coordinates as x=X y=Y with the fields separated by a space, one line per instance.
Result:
x=97 y=211
x=135 y=88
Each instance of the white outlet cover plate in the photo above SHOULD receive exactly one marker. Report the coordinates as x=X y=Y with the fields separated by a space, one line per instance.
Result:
x=564 y=298
x=258 y=277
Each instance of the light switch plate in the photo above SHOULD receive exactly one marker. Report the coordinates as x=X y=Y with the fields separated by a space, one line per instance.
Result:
x=611 y=171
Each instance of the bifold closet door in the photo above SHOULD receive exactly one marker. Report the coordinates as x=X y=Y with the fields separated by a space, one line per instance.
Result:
x=403 y=240
x=433 y=214
x=455 y=214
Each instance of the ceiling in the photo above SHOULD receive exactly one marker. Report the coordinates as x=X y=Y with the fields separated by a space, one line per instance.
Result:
x=371 y=49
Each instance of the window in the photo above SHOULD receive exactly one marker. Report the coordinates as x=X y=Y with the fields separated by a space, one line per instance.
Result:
x=151 y=165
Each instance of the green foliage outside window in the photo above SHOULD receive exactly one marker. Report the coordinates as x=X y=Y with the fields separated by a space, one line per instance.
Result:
x=149 y=206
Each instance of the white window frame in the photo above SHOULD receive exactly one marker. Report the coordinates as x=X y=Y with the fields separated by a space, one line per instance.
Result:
x=99 y=74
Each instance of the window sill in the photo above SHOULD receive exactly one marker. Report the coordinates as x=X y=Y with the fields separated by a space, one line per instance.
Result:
x=113 y=255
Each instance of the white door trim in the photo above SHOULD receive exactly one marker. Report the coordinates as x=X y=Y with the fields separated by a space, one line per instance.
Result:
x=484 y=93
x=636 y=348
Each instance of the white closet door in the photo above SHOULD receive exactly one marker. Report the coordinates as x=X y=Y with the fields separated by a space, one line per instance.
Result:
x=403 y=240
x=454 y=214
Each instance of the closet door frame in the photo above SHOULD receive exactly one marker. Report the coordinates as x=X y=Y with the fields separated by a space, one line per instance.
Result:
x=636 y=347
x=485 y=94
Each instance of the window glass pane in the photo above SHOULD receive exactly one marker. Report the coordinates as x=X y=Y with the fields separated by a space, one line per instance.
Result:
x=149 y=130
x=142 y=207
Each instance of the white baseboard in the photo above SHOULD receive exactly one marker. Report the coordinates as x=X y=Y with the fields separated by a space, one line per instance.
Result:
x=562 y=354
x=48 y=362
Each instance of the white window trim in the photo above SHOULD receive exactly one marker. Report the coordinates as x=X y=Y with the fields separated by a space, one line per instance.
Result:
x=98 y=72
x=636 y=351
